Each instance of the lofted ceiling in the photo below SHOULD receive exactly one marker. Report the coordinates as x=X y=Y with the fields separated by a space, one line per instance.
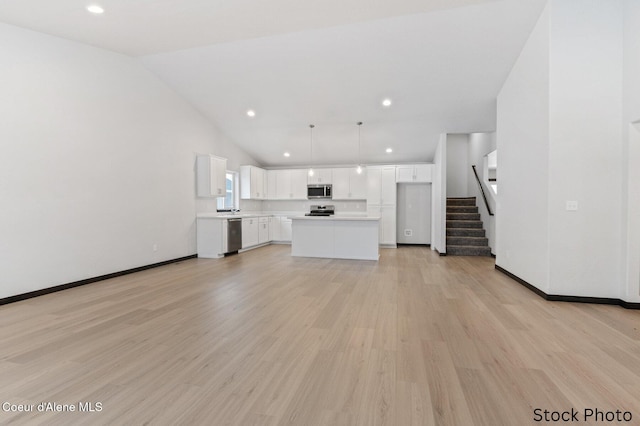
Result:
x=330 y=63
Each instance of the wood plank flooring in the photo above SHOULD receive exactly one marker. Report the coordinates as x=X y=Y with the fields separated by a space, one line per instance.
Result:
x=262 y=338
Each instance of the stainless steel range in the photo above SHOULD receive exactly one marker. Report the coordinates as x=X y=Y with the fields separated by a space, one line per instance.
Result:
x=321 y=211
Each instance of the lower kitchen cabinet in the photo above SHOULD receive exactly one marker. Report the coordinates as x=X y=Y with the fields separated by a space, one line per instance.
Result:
x=263 y=230
x=285 y=229
x=280 y=229
x=274 y=228
x=250 y=232
x=387 y=214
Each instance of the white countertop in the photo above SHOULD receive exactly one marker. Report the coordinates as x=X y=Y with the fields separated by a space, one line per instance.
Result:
x=231 y=216
x=292 y=215
x=336 y=217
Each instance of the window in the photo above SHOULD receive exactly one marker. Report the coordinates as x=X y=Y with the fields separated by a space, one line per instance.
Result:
x=230 y=200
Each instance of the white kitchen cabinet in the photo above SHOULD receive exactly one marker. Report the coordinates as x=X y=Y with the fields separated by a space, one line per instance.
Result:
x=253 y=183
x=283 y=185
x=424 y=173
x=358 y=184
x=250 y=232
x=280 y=229
x=319 y=176
x=348 y=184
x=211 y=176
x=341 y=185
x=285 y=229
x=290 y=184
x=381 y=185
x=381 y=200
x=211 y=241
x=299 y=184
x=274 y=228
x=387 y=230
x=414 y=173
x=272 y=186
x=263 y=230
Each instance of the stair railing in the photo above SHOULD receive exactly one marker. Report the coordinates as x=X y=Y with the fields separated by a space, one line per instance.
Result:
x=486 y=203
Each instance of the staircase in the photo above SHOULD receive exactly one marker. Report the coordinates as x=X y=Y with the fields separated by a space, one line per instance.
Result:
x=465 y=235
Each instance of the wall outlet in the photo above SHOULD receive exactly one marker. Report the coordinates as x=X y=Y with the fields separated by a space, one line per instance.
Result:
x=408 y=232
x=572 y=206
x=155 y=247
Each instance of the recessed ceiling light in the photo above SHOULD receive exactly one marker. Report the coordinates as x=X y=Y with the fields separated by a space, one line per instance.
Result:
x=94 y=8
x=386 y=102
x=389 y=150
x=286 y=154
x=251 y=113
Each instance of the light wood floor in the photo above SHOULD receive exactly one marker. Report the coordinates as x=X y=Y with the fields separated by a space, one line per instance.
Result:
x=266 y=339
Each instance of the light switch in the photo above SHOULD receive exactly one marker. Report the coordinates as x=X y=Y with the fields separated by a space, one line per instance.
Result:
x=572 y=206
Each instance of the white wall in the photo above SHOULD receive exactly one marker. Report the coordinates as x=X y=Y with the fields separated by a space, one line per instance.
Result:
x=631 y=150
x=632 y=231
x=457 y=165
x=585 y=147
x=480 y=144
x=439 y=197
x=97 y=163
x=631 y=61
x=522 y=226
x=561 y=138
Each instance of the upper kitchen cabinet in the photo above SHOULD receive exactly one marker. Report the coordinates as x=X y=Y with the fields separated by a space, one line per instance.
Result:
x=381 y=185
x=348 y=184
x=211 y=176
x=272 y=190
x=283 y=185
x=253 y=183
x=289 y=184
x=298 y=184
x=418 y=173
x=320 y=176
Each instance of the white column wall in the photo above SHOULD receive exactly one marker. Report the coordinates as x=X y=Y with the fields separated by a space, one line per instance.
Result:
x=97 y=163
x=632 y=230
x=631 y=151
x=522 y=137
x=439 y=197
x=585 y=149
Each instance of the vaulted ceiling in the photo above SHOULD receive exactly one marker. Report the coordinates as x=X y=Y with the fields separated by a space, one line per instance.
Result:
x=330 y=63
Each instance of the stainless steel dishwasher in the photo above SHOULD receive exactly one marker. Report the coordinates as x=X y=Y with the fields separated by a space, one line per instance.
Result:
x=234 y=235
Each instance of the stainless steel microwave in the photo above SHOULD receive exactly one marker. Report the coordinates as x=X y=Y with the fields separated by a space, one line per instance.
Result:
x=318 y=191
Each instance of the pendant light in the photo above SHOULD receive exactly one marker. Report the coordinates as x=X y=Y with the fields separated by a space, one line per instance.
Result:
x=359 y=169
x=311 y=126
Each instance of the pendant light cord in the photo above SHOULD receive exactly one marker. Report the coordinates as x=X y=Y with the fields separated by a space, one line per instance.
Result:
x=311 y=126
x=359 y=123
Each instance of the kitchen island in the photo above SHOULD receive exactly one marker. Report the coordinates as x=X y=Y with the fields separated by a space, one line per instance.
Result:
x=335 y=237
